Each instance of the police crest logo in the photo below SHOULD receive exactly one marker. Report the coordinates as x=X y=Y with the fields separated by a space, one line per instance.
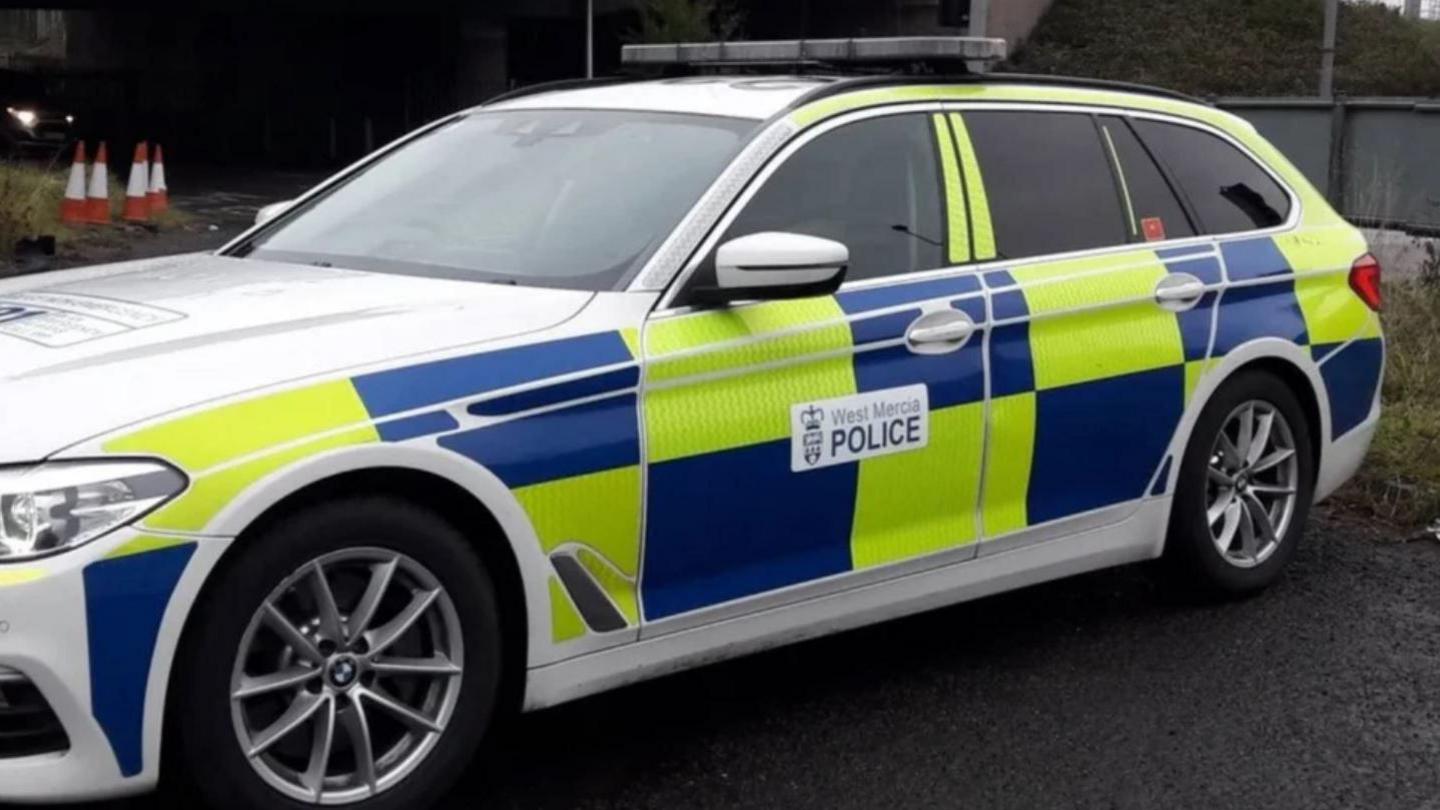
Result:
x=844 y=429
x=814 y=439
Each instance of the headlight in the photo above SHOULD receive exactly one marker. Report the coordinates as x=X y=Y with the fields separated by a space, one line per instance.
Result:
x=54 y=507
x=27 y=118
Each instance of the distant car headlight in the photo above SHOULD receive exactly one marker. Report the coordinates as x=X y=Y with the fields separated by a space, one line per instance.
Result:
x=49 y=508
x=69 y=119
x=27 y=118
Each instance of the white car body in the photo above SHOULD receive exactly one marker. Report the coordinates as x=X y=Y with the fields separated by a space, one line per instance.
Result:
x=125 y=347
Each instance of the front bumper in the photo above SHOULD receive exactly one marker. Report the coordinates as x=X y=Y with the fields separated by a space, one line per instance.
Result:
x=94 y=630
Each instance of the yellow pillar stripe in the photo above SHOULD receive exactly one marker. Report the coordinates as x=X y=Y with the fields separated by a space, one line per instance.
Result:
x=600 y=510
x=911 y=504
x=980 y=220
x=208 y=494
x=203 y=440
x=1124 y=184
x=565 y=621
x=959 y=225
x=1007 y=468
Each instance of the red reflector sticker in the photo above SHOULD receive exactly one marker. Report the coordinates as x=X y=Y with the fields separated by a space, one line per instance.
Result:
x=1154 y=228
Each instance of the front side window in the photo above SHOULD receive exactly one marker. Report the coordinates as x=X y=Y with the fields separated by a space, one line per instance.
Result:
x=1049 y=182
x=872 y=185
x=1229 y=193
x=577 y=199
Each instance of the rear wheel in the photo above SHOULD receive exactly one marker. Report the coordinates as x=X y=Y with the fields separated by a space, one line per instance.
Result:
x=350 y=656
x=1244 y=489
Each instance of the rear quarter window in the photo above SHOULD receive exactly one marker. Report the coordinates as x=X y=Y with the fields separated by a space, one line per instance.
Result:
x=1228 y=191
x=1049 y=182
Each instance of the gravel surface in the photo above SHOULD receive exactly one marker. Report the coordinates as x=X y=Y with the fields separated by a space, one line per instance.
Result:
x=1096 y=692
x=1093 y=692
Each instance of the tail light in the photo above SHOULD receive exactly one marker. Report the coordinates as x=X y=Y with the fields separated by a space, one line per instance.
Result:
x=1365 y=280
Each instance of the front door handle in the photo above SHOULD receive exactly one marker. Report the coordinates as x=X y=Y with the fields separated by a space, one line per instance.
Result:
x=1179 y=291
x=940 y=332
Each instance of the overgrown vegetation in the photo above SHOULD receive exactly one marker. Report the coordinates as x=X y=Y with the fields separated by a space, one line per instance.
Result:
x=1235 y=47
x=1400 y=481
x=29 y=203
x=687 y=20
x=30 y=196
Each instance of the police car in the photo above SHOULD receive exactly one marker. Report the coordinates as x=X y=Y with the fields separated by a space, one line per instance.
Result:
x=601 y=381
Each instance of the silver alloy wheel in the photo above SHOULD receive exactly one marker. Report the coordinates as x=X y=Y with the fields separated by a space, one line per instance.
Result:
x=347 y=676
x=1253 y=481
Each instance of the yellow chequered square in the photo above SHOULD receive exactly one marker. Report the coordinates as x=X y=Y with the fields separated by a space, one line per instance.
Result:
x=1195 y=371
x=203 y=440
x=1007 y=466
x=704 y=400
x=911 y=504
x=565 y=621
x=1096 y=317
x=600 y=511
x=740 y=409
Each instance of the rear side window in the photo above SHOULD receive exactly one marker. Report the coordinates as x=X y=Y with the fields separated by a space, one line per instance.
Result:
x=873 y=185
x=1227 y=190
x=1152 y=211
x=1048 y=181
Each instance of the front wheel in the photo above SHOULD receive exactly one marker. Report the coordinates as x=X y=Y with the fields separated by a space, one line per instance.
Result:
x=349 y=656
x=1244 y=489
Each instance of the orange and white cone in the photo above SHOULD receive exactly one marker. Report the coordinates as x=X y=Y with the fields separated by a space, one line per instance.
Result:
x=97 y=201
x=159 y=194
x=72 y=208
x=137 y=206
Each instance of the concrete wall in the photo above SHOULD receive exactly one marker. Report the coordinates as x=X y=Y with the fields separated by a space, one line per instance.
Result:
x=1374 y=158
x=1013 y=20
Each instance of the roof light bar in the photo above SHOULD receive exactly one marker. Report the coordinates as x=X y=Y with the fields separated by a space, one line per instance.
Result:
x=799 y=51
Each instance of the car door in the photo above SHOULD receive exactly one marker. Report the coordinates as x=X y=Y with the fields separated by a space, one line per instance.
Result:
x=792 y=445
x=1090 y=353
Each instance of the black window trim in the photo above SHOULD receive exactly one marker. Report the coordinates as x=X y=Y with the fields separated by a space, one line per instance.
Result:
x=666 y=304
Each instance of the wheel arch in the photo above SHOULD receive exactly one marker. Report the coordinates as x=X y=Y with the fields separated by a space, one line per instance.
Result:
x=1283 y=359
x=494 y=525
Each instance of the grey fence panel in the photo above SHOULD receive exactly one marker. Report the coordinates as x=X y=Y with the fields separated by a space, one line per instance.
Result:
x=1377 y=160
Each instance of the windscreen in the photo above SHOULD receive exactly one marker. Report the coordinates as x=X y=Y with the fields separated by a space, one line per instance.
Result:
x=576 y=199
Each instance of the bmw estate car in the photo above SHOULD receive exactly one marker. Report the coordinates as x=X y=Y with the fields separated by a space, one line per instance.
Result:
x=601 y=381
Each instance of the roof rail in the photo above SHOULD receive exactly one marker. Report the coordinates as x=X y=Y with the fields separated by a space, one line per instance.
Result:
x=847 y=85
x=561 y=84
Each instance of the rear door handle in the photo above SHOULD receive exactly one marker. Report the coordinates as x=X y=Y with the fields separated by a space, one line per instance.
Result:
x=940 y=332
x=1179 y=292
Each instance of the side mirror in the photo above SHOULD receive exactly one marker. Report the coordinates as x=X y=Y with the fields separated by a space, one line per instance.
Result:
x=774 y=265
x=271 y=211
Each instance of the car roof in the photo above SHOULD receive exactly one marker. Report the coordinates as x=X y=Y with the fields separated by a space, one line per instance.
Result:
x=761 y=97
x=757 y=97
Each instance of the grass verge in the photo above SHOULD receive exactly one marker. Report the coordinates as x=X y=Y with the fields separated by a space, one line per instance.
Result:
x=30 y=196
x=1400 y=480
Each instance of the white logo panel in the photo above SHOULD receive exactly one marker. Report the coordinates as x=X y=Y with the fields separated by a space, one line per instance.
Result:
x=837 y=431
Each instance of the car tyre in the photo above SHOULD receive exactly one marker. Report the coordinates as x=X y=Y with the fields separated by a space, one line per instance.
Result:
x=433 y=579
x=1244 y=489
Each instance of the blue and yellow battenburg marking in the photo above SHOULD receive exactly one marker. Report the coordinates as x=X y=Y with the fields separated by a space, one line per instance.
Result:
x=726 y=518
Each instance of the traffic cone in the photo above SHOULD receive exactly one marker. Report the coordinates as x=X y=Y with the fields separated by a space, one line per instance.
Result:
x=137 y=207
x=72 y=208
x=97 y=202
x=159 y=194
